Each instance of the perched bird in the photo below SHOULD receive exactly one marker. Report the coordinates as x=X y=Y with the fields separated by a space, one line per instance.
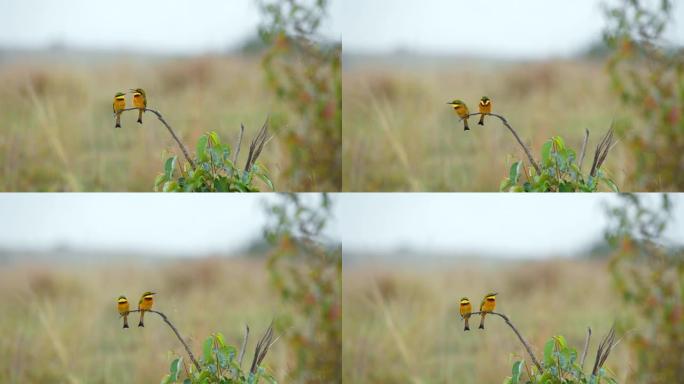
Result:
x=145 y=304
x=485 y=107
x=119 y=105
x=462 y=111
x=122 y=306
x=466 y=308
x=139 y=101
x=488 y=305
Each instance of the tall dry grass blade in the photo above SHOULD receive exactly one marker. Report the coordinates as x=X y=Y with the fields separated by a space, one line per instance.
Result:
x=262 y=347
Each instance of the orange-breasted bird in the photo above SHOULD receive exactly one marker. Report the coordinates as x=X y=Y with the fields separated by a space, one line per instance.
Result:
x=461 y=110
x=466 y=308
x=140 y=102
x=145 y=304
x=123 y=307
x=118 y=106
x=485 y=107
x=488 y=305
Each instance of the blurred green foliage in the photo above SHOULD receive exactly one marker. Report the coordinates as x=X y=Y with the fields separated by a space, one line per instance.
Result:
x=214 y=171
x=648 y=274
x=560 y=172
x=306 y=270
x=562 y=365
x=305 y=74
x=219 y=364
x=648 y=76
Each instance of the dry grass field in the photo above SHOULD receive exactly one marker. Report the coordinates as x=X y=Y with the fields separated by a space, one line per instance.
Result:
x=59 y=322
x=401 y=321
x=57 y=129
x=399 y=134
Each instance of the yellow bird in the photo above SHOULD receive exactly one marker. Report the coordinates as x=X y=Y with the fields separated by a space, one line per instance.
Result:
x=466 y=308
x=139 y=101
x=461 y=110
x=488 y=305
x=123 y=307
x=119 y=105
x=485 y=107
x=145 y=304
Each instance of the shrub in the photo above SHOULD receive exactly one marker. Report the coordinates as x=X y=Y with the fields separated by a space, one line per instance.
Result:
x=305 y=75
x=648 y=274
x=306 y=271
x=213 y=170
x=648 y=77
x=560 y=172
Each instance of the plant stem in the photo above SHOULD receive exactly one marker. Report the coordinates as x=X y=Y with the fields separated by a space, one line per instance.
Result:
x=167 y=321
x=505 y=122
x=522 y=340
x=180 y=144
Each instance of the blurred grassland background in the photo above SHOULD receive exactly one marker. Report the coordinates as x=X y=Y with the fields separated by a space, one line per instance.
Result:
x=60 y=324
x=624 y=68
x=401 y=321
x=242 y=62
x=57 y=122
x=401 y=136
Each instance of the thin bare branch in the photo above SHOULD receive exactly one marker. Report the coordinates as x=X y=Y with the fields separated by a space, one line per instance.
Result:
x=584 y=147
x=515 y=134
x=175 y=330
x=239 y=144
x=180 y=144
x=244 y=346
x=522 y=340
x=586 y=345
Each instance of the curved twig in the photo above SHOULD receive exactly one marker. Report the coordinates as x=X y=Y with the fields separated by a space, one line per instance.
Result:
x=505 y=122
x=586 y=348
x=522 y=340
x=167 y=321
x=180 y=144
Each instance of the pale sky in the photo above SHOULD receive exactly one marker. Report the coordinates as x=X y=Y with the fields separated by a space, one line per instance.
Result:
x=507 y=225
x=173 y=224
x=158 y=26
x=495 y=28
x=503 y=225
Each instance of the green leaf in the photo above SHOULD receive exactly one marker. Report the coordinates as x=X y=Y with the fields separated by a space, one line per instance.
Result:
x=546 y=150
x=169 y=167
x=611 y=184
x=560 y=143
x=566 y=187
x=514 y=173
x=214 y=138
x=176 y=368
x=517 y=372
x=561 y=341
x=266 y=180
x=202 y=148
x=206 y=349
x=548 y=352
x=167 y=380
